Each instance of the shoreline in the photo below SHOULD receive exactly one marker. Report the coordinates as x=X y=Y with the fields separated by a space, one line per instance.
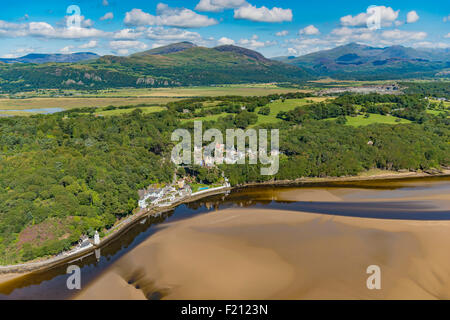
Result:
x=15 y=271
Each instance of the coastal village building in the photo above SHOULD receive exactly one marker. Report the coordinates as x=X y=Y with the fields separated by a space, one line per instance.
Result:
x=164 y=196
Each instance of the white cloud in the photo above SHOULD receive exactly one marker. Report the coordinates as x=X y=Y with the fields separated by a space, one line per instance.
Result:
x=127 y=44
x=309 y=30
x=306 y=45
x=171 y=34
x=43 y=29
x=282 y=33
x=77 y=33
x=387 y=17
x=263 y=14
x=219 y=5
x=20 y=52
x=254 y=43
x=412 y=17
x=122 y=52
x=432 y=45
x=447 y=18
x=225 y=41
x=87 y=23
x=345 y=34
x=10 y=25
x=447 y=36
x=107 y=16
x=24 y=51
x=127 y=34
x=403 y=35
x=105 y=3
x=66 y=50
x=292 y=51
x=90 y=45
x=166 y=16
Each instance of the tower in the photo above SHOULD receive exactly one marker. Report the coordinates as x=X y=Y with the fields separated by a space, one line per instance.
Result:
x=96 y=238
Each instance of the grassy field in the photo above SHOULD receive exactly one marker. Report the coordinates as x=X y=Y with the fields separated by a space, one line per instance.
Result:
x=71 y=103
x=374 y=118
x=14 y=113
x=437 y=112
x=204 y=91
x=129 y=96
x=287 y=105
x=275 y=108
x=254 y=90
x=123 y=111
x=212 y=117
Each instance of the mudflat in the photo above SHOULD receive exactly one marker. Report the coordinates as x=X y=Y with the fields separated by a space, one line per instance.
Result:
x=258 y=253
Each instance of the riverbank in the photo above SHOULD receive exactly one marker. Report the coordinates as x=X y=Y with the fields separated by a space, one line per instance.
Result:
x=365 y=176
x=20 y=269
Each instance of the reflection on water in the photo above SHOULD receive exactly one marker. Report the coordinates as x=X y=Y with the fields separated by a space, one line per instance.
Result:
x=39 y=111
x=51 y=284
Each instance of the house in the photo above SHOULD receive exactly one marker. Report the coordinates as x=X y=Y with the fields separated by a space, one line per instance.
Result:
x=150 y=196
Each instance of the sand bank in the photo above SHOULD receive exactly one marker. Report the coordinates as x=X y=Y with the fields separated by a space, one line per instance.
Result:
x=249 y=253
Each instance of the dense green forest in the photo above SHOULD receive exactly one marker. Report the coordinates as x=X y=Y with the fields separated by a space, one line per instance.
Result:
x=438 y=89
x=71 y=173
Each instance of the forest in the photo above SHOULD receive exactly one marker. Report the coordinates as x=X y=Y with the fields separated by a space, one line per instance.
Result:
x=71 y=173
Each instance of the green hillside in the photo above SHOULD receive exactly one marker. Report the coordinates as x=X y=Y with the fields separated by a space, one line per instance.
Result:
x=181 y=64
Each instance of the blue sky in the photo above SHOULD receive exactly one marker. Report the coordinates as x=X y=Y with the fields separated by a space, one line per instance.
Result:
x=288 y=27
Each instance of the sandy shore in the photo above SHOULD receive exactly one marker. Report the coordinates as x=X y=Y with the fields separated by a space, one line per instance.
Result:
x=249 y=253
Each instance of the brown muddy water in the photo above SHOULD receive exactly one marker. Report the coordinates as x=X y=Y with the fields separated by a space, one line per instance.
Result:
x=310 y=242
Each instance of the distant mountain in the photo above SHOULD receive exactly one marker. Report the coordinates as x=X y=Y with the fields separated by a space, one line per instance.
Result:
x=172 y=48
x=361 y=62
x=46 y=58
x=180 y=64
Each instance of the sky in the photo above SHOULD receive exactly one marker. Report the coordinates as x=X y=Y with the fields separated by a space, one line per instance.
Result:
x=274 y=28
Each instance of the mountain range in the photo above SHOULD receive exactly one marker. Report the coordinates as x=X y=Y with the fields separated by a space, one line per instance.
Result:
x=179 y=64
x=185 y=64
x=361 y=62
x=54 y=57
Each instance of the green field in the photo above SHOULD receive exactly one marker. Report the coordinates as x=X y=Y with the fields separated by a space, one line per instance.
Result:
x=360 y=120
x=435 y=112
x=178 y=92
x=275 y=108
x=70 y=99
x=117 y=112
x=71 y=103
x=287 y=105
x=212 y=117
x=446 y=103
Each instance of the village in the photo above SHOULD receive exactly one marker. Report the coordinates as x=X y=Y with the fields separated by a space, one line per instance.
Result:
x=381 y=89
x=165 y=195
